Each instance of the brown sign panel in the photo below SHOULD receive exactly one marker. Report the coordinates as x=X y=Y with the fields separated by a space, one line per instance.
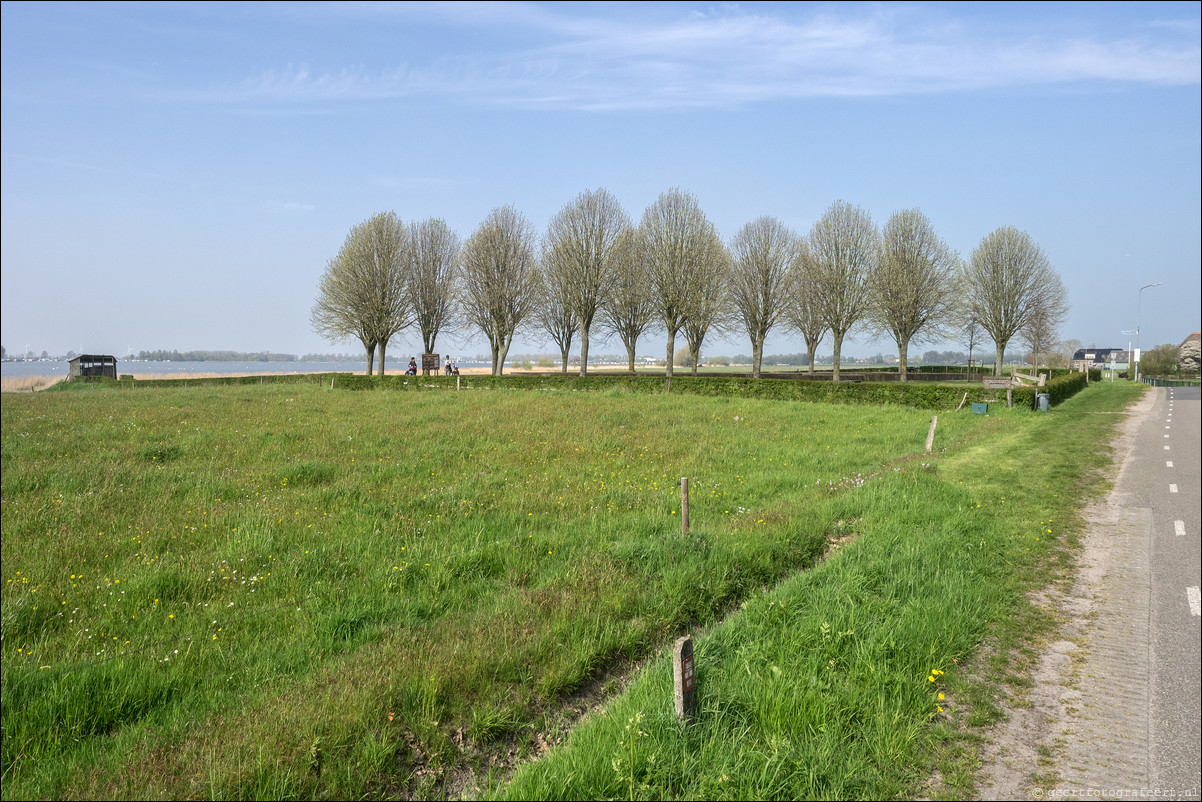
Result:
x=686 y=671
x=996 y=384
x=430 y=362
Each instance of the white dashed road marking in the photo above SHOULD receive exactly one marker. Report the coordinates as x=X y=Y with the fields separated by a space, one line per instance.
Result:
x=1168 y=463
x=1172 y=488
x=1179 y=526
x=1194 y=595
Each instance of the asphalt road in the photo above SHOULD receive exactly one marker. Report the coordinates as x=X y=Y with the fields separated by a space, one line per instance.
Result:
x=1166 y=479
x=1130 y=726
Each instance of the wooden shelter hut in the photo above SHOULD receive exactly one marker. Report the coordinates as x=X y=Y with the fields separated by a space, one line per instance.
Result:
x=87 y=365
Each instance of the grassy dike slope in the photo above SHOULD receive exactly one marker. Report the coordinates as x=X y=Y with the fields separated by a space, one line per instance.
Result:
x=283 y=591
x=843 y=682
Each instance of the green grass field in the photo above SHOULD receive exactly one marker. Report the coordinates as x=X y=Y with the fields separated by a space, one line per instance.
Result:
x=286 y=591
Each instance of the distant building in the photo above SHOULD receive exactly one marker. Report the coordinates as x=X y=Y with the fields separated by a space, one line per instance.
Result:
x=1100 y=357
x=87 y=365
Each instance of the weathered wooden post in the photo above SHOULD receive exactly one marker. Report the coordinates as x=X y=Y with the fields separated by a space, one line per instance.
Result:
x=931 y=433
x=684 y=505
x=684 y=678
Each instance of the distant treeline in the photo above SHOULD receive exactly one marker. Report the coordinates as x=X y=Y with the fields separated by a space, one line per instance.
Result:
x=163 y=355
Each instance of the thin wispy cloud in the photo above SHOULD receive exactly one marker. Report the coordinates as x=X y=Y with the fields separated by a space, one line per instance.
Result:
x=731 y=58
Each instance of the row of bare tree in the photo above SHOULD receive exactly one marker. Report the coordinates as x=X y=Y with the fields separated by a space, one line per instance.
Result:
x=596 y=271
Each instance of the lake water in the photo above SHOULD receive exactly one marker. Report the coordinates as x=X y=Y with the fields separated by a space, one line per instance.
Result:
x=165 y=369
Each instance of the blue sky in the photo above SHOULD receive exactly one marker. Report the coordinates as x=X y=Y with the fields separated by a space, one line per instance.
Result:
x=177 y=176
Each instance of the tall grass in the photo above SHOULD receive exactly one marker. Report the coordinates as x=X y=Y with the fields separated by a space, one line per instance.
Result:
x=283 y=591
x=357 y=584
x=843 y=682
x=28 y=384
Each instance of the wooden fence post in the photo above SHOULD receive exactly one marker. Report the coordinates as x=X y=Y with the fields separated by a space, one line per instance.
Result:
x=684 y=678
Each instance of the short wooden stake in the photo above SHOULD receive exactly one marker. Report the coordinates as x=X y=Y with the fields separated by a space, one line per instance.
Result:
x=684 y=505
x=457 y=383
x=1009 y=397
x=931 y=433
x=962 y=400
x=684 y=678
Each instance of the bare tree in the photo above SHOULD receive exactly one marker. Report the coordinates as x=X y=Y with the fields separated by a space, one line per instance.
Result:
x=341 y=309
x=432 y=280
x=1069 y=349
x=581 y=255
x=1008 y=280
x=628 y=310
x=912 y=290
x=499 y=279
x=1042 y=329
x=363 y=290
x=801 y=311
x=556 y=313
x=970 y=335
x=678 y=241
x=762 y=254
x=709 y=301
x=844 y=248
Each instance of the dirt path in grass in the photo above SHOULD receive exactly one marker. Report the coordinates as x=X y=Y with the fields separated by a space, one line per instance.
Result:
x=1082 y=729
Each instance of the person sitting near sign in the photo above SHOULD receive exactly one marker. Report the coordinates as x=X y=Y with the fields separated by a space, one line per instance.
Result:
x=446 y=368
x=412 y=369
x=454 y=369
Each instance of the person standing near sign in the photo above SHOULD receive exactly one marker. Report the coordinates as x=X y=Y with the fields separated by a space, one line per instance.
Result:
x=412 y=370
x=446 y=368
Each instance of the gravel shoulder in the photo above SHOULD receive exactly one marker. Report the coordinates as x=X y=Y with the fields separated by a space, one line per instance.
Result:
x=1082 y=728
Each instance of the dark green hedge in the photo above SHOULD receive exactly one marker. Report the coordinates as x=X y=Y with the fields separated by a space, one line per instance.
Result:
x=1065 y=387
x=920 y=395
x=917 y=394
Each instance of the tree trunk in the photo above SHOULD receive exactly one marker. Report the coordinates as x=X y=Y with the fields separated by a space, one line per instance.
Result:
x=495 y=350
x=671 y=346
x=838 y=351
x=997 y=364
x=504 y=352
x=583 y=350
x=757 y=355
x=695 y=356
x=812 y=347
x=563 y=352
x=902 y=352
x=371 y=355
x=630 y=357
x=383 y=345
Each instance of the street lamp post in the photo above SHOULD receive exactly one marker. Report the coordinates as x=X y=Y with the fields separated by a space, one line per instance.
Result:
x=1138 y=321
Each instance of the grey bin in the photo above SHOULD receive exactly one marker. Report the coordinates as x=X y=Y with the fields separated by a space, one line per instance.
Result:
x=1043 y=399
